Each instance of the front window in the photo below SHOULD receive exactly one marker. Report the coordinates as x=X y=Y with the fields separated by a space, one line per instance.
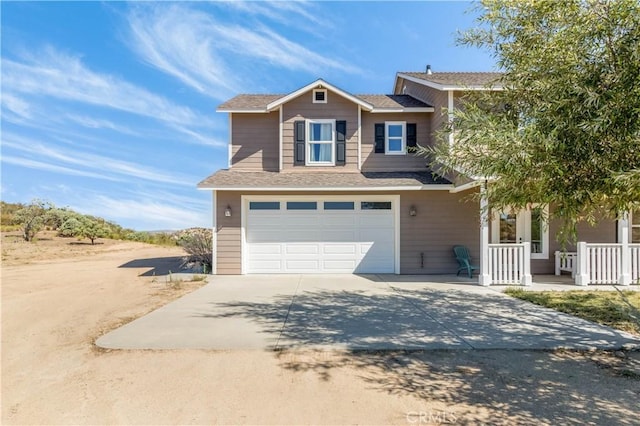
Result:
x=530 y=225
x=508 y=228
x=635 y=227
x=320 y=142
x=395 y=140
x=537 y=230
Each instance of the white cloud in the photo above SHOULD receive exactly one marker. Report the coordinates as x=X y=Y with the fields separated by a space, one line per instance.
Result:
x=61 y=76
x=145 y=213
x=198 y=49
x=84 y=163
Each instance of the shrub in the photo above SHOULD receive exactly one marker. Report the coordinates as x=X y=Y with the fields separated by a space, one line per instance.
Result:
x=198 y=244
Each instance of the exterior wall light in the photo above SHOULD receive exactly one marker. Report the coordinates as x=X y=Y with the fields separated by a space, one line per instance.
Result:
x=413 y=211
x=227 y=211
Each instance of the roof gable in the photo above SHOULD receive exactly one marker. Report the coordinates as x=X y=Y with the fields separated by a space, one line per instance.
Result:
x=318 y=84
x=454 y=80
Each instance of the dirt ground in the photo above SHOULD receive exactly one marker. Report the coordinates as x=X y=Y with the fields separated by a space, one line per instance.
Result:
x=57 y=298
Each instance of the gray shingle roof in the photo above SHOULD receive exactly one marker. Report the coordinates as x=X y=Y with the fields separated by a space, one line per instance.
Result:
x=248 y=101
x=393 y=101
x=234 y=179
x=463 y=79
x=260 y=102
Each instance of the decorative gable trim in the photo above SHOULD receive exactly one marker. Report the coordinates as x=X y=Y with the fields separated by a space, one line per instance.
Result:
x=319 y=84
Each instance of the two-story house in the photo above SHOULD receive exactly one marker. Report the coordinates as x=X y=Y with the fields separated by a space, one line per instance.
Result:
x=321 y=180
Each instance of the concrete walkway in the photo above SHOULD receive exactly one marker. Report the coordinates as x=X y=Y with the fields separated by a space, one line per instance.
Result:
x=371 y=312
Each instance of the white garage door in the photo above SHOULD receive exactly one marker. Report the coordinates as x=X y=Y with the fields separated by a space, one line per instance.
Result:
x=319 y=236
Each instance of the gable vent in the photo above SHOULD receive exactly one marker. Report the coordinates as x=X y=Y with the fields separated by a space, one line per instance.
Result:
x=320 y=96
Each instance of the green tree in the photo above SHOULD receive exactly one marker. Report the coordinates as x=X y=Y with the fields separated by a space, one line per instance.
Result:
x=32 y=217
x=71 y=226
x=565 y=131
x=93 y=228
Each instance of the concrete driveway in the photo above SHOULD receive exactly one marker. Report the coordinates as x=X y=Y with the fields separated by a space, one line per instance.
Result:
x=370 y=312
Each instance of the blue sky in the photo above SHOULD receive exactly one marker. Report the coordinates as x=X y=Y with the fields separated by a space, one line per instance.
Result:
x=109 y=107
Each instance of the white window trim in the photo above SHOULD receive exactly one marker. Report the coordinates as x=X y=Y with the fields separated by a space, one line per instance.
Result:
x=404 y=137
x=632 y=227
x=315 y=101
x=523 y=221
x=308 y=142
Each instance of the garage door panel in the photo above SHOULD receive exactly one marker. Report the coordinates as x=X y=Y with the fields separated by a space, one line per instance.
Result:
x=339 y=266
x=302 y=265
x=347 y=248
x=340 y=221
x=270 y=249
x=301 y=249
x=320 y=241
x=266 y=266
x=339 y=235
x=265 y=236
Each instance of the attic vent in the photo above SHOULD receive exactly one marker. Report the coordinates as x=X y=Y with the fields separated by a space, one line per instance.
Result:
x=319 y=96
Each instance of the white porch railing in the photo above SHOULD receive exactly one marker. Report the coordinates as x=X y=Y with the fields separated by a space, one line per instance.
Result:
x=607 y=263
x=510 y=263
x=635 y=262
x=567 y=262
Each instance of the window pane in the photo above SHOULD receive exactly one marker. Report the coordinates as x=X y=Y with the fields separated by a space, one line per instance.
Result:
x=635 y=218
x=320 y=131
x=635 y=234
x=264 y=205
x=536 y=230
x=320 y=152
x=507 y=228
x=302 y=205
x=339 y=205
x=395 y=145
x=395 y=130
x=375 y=205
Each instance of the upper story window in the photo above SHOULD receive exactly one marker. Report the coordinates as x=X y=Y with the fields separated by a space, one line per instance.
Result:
x=395 y=138
x=319 y=96
x=320 y=142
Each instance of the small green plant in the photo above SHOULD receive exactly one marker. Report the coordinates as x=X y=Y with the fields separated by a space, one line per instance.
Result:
x=198 y=278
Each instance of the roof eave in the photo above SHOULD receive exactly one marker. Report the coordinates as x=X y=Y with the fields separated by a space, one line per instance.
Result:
x=426 y=187
x=446 y=87
x=408 y=109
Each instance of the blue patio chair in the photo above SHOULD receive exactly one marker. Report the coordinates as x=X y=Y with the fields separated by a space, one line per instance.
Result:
x=464 y=260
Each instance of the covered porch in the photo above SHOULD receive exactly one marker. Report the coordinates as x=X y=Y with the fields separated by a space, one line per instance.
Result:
x=507 y=260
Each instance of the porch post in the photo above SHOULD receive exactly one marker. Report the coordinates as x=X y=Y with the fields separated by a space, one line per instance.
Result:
x=484 y=278
x=582 y=274
x=526 y=273
x=625 y=273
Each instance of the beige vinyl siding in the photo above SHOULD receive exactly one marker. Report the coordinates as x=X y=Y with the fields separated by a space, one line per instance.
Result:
x=228 y=235
x=337 y=108
x=380 y=162
x=439 y=99
x=443 y=220
x=255 y=144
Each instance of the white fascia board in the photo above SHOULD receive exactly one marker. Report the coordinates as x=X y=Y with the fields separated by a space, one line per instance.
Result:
x=465 y=187
x=319 y=82
x=438 y=187
x=245 y=110
x=392 y=110
x=448 y=86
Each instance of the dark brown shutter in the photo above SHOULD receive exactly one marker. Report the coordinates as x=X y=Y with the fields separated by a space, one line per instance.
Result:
x=299 y=140
x=341 y=142
x=379 y=138
x=412 y=137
